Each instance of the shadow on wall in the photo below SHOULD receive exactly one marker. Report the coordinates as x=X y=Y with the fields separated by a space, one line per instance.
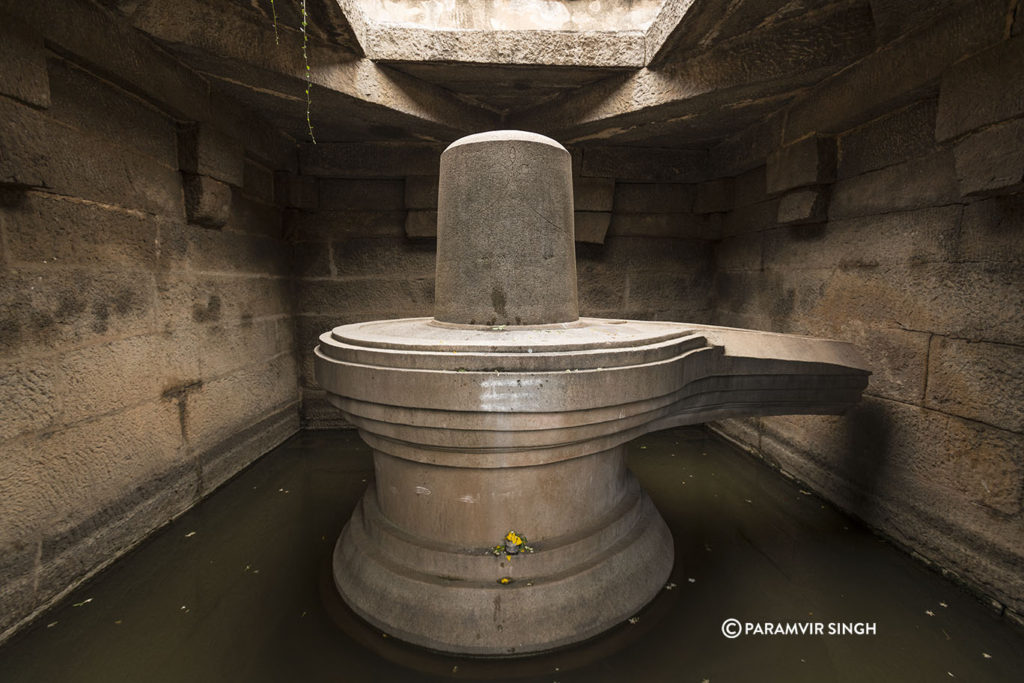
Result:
x=865 y=460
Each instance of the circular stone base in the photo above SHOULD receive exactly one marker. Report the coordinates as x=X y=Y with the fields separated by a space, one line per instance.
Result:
x=453 y=600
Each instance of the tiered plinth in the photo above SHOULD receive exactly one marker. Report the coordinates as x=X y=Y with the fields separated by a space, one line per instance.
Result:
x=477 y=431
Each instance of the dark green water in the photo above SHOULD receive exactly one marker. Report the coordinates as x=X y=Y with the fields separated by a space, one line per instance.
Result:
x=238 y=590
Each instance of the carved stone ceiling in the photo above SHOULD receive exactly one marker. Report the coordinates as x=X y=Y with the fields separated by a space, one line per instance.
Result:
x=672 y=73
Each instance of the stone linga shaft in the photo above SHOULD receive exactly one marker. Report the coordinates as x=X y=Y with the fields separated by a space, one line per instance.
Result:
x=505 y=232
x=507 y=412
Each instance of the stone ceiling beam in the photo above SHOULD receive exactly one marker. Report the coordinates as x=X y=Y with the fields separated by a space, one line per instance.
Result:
x=109 y=47
x=400 y=41
x=520 y=47
x=227 y=44
x=666 y=27
x=761 y=63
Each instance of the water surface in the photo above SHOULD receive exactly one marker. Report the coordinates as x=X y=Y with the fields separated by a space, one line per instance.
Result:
x=238 y=589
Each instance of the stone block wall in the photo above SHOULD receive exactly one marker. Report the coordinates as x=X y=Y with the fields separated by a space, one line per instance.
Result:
x=365 y=248
x=885 y=208
x=146 y=341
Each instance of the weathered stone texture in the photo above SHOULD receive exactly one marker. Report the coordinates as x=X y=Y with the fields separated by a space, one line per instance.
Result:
x=116 y=315
x=298 y=192
x=207 y=201
x=803 y=206
x=637 y=277
x=368 y=160
x=57 y=482
x=43 y=228
x=750 y=187
x=713 y=196
x=106 y=378
x=992 y=161
x=228 y=457
x=645 y=164
x=304 y=226
x=591 y=226
x=652 y=198
x=204 y=150
x=246 y=396
x=893 y=18
x=675 y=296
x=592 y=194
x=683 y=225
x=911 y=237
x=894 y=74
x=359 y=257
x=406 y=298
x=254 y=217
x=220 y=299
x=750 y=218
x=22 y=53
x=738 y=253
x=811 y=161
x=362 y=195
x=923 y=182
x=976 y=302
x=977 y=380
x=421 y=192
x=905 y=134
x=421 y=223
x=89 y=104
x=993 y=231
x=258 y=182
x=982 y=90
x=220 y=251
x=40 y=152
x=31 y=397
x=51 y=310
x=748 y=148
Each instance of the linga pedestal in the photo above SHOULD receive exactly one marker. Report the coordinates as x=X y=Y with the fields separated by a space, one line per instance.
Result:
x=507 y=412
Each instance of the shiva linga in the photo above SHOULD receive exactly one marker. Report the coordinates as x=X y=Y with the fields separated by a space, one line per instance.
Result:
x=502 y=519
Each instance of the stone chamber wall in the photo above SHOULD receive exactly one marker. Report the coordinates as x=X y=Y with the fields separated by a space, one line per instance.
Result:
x=146 y=339
x=885 y=208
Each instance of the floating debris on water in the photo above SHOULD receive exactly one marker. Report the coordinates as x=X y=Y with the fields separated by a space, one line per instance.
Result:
x=634 y=620
x=190 y=534
x=691 y=580
x=84 y=602
x=986 y=655
x=942 y=604
x=929 y=613
x=52 y=624
x=670 y=586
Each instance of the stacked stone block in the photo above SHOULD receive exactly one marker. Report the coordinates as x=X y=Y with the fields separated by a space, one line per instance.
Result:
x=144 y=358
